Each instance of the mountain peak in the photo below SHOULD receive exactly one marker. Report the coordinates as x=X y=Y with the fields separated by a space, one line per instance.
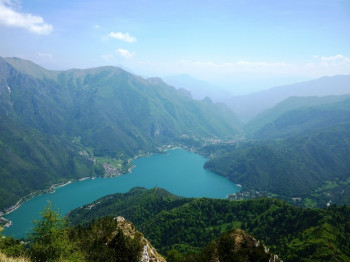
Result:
x=149 y=253
x=30 y=68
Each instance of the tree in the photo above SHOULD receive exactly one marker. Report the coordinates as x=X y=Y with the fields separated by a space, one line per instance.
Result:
x=11 y=247
x=49 y=240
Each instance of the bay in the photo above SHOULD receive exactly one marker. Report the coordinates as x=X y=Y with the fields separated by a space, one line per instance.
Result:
x=178 y=171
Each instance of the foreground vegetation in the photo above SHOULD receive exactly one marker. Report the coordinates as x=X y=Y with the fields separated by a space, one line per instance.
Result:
x=115 y=239
x=186 y=225
x=183 y=229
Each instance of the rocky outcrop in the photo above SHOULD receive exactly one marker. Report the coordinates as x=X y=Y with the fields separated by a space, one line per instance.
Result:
x=149 y=253
x=237 y=245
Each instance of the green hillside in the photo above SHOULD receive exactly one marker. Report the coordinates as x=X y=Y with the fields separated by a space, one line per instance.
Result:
x=302 y=166
x=33 y=161
x=291 y=232
x=299 y=114
x=106 y=111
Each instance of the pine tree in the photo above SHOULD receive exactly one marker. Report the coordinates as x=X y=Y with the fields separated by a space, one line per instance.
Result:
x=49 y=240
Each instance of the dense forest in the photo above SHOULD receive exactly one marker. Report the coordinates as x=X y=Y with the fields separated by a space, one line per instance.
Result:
x=186 y=225
x=297 y=151
x=116 y=239
x=188 y=231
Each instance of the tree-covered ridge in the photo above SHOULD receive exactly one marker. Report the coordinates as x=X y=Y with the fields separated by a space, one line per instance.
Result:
x=34 y=161
x=116 y=239
x=299 y=115
x=233 y=245
x=296 y=167
x=291 y=232
x=106 y=111
x=139 y=203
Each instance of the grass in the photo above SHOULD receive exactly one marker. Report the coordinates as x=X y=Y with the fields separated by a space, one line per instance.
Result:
x=4 y=258
x=308 y=202
x=329 y=185
x=117 y=163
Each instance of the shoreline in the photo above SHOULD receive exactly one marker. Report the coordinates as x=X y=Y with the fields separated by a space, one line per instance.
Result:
x=20 y=202
x=52 y=188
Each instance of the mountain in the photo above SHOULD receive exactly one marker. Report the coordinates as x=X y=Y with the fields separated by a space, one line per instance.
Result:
x=181 y=229
x=199 y=89
x=113 y=239
x=248 y=106
x=70 y=117
x=310 y=167
x=235 y=245
x=299 y=115
x=147 y=203
x=34 y=161
x=116 y=239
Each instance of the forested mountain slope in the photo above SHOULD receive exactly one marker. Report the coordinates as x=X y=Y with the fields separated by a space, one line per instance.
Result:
x=291 y=232
x=310 y=166
x=105 y=111
x=116 y=239
x=33 y=161
x=299 y=115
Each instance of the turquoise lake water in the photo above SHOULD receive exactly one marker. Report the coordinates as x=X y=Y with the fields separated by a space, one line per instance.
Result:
x=179 y=171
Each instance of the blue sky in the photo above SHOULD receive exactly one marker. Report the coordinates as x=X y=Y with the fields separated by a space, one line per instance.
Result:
x=239 y=45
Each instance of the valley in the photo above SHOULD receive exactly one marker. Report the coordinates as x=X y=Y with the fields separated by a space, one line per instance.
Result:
x=189 y=179
x=105 y=133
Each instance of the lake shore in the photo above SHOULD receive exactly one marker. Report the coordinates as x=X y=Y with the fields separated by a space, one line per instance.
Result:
x=158 y=170
x=161 y=150
x=51 y=189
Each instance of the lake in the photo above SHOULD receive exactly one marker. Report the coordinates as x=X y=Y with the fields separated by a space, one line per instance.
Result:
x=180 y=172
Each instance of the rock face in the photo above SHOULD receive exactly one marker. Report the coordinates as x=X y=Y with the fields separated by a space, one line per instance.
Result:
x=149 y=253
x=237 y=245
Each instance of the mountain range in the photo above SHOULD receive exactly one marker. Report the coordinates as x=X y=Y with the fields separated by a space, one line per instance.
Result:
x=297 y=150
x=57 y=126
x=52 y=119
x=248 y=106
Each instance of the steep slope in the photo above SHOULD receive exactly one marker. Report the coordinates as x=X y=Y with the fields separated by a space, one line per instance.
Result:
x=291 y=232
x=113 y=239
x=234 y=245
x=298 y=166
x=248 y=106
x=112 y=110
x=118 y=111
x=106 y=111
x=299 y=114
x=33 y=161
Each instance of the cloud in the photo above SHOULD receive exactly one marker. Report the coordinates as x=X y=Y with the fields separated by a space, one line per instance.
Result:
x=125 y=53
x=12 y=18
x=123 y=37
x=338 y=58
x=44 y=55
x=260 y=64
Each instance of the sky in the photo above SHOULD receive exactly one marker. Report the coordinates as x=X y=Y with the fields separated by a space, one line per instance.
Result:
x=240 y=45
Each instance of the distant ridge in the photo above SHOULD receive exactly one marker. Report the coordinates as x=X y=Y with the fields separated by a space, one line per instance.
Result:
x=248 y=106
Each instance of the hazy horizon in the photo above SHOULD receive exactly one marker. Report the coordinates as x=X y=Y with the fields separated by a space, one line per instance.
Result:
x=240 y=46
